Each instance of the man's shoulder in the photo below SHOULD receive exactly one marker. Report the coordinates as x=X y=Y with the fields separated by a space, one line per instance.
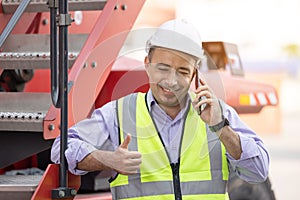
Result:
x=132 y=95
x=112 y=103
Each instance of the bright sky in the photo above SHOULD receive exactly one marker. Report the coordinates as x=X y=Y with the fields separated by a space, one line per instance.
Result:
x=260 y=27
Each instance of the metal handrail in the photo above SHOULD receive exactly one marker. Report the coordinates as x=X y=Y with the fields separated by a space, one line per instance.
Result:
x=63 y=89
x=13 y=21
x=59 y=86
x=53 y=54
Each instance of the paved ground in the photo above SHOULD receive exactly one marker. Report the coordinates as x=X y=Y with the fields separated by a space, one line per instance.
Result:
x=284 y=149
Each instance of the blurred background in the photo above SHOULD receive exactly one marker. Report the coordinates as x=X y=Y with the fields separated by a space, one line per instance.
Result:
x=267 y=35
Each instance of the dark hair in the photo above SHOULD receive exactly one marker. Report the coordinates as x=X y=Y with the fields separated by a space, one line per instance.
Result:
x=150 y=53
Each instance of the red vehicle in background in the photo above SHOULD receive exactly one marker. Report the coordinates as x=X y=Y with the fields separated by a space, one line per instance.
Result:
x=29 y=121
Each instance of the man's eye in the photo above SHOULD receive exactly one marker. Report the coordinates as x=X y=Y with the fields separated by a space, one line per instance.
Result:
x=163 y=68
x=185 y=73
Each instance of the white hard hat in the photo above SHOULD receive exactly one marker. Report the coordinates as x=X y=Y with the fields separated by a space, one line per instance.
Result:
x=178 y=35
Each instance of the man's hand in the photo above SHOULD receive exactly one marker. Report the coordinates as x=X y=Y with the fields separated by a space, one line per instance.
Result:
x=211 y=114
x=122 y=160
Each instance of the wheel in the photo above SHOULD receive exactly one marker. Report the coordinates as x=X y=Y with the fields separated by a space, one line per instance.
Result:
x=241 y=190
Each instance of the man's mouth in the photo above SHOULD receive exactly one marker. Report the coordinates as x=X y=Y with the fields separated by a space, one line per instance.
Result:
x=167 y=90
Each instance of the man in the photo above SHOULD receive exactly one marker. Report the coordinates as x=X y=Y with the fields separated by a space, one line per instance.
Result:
x=168 y=143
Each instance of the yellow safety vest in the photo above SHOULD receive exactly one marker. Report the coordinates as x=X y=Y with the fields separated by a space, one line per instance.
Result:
x=202 y=170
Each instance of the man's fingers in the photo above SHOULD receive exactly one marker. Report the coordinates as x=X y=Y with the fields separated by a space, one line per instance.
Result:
x=131 y=166
x=202 y=81
x=135 y=155
x=132 y=169
x=125 y=143
x=134 y=159
x=136 y=162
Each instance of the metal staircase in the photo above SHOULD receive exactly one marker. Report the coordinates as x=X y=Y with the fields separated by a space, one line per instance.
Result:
x=18 y=187
x=10 y=6
x=18 y=52
x=29 y=121
x=21 y=111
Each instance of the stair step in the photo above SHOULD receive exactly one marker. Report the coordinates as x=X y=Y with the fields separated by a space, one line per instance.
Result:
x=9 y=6
x=19 y=53
x=23 y=111
x=19 y=182
x=18 y=186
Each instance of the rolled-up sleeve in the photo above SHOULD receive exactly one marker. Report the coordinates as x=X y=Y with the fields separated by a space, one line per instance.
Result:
x=253 y=165
x=97 y=132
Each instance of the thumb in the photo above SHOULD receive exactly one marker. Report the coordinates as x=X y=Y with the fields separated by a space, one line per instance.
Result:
x=125 y=143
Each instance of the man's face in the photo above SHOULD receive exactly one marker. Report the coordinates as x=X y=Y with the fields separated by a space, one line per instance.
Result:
x=170 y=74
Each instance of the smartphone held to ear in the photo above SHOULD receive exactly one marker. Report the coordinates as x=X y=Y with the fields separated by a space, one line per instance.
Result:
x=201 y=108
x=197 y=84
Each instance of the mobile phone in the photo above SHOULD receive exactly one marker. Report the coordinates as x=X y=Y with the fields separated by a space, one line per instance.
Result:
x=197 y=84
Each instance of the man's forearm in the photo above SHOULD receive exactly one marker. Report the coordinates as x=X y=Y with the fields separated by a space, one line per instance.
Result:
x=90 y=163
x=121 y=160
x=231 y=141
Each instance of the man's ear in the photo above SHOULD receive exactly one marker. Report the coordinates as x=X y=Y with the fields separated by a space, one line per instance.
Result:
x=146 y=63
x=146 y=60
x=194 y=76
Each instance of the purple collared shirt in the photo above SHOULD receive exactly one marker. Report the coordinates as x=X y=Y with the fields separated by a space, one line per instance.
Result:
x=101 y=132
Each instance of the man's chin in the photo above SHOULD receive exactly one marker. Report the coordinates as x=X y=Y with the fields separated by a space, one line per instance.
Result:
x=168 y=99
x=170 y=102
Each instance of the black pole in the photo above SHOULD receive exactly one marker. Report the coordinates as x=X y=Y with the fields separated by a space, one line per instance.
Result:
x=63 y=79
x=53 y=55
x=63 y=20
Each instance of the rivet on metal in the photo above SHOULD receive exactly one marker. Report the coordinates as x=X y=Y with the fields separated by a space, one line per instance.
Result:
x=124 y=7
x=73 y=192
x=51 y=127
x=45 y=21
x=61 y=193
x=94 y=64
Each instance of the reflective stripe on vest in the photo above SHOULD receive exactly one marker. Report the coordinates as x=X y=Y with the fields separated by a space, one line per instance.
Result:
x=205 y=177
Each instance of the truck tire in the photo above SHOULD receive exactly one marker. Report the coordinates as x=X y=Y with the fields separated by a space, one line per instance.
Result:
x=241 y=190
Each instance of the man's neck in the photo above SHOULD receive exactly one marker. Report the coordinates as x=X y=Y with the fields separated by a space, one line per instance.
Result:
x=171 y=111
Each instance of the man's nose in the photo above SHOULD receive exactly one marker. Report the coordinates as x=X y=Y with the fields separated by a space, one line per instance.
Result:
x=172 y=78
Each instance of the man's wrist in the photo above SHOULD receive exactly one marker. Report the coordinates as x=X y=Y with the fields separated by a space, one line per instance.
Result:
x=220 y=125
